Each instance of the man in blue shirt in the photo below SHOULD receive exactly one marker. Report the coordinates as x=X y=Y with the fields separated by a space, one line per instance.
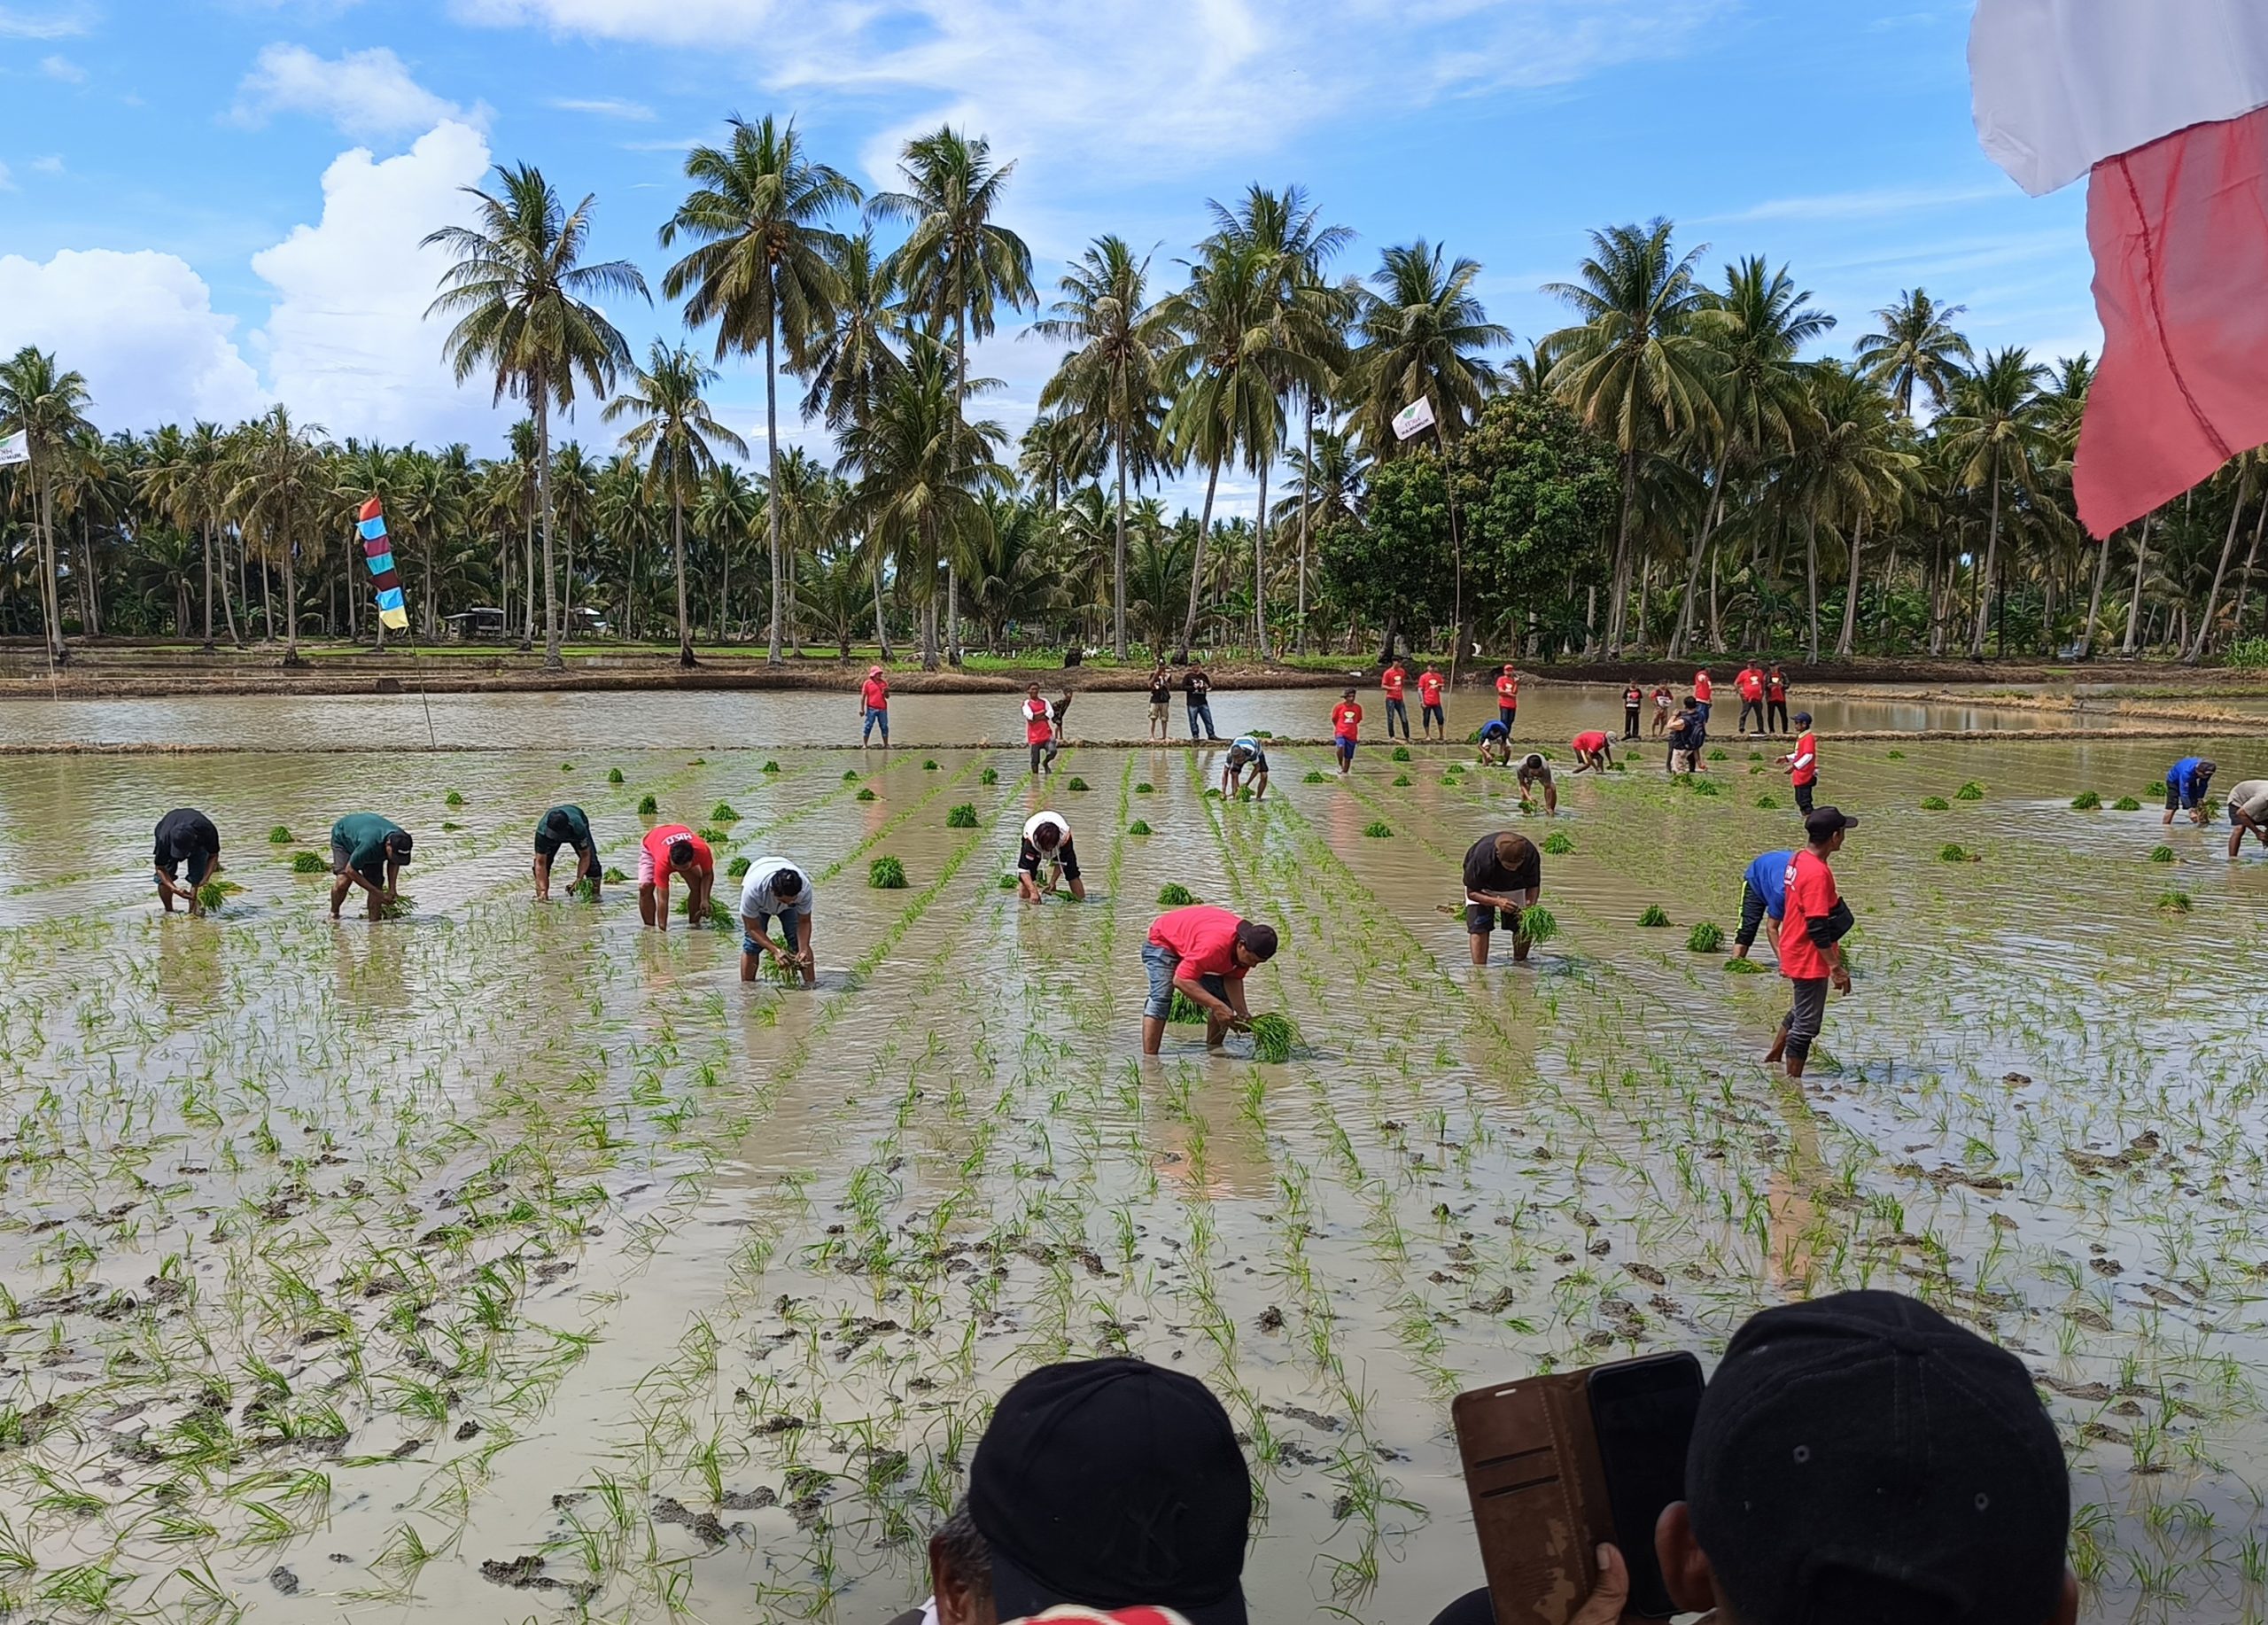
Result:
x=1763 y=892
x=2185 y=787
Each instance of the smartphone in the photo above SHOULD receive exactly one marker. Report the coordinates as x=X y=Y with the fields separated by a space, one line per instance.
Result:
x=1642 y=1413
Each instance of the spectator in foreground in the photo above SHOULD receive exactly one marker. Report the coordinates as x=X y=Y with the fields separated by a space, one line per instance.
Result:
x=1103 y=1485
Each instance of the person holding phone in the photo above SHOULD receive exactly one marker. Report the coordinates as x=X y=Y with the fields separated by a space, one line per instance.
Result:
x=1815 y=920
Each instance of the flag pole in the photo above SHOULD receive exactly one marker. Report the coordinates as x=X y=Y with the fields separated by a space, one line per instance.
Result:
x=1456 y=553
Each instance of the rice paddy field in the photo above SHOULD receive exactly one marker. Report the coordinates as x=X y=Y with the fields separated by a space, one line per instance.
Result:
x=501 y=1260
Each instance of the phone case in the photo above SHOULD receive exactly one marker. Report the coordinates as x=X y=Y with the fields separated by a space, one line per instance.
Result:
x=1539 y=1492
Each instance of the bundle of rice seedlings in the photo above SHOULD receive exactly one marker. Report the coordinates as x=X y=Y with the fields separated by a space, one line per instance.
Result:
x=1212 y=792
x=1451 y=780
x=1185 y=1009
x=1456 y=768
x=614 y=775
x=865 y=793
x=308 y=863
x=1145 y=789
x=1745 y=967
x=698 y=761
x=1076 y=783
x=1558 y=843
x=771 y=968
x=1654 y=916
x=962 y=817
x=886 y=875
x=1379 y=830
x=1706 y=787
x=1139 y=827
x=1245 y=792
x=850 y=775
x=737 y=868
x=770 y=766
x=1705 y=939
x=1768 y=802
x=2175 y=902
x=1721 y=755
x=213 y=893
x=1754 y=771
x=990 y=776
x=1971 y=791
x=724 y=812
x=930 y=765
x=646 y=805
x=1895 y=755
x=2086 y=801
x=449 y=828
x=722 y=915
x=1617 y=766
x=454 y=799
x=566 y=767
x=1173 y=894
x=2155 y=791
x=1952 y=851
x=400 y=908
x=1261 y=732
x=712 y=835
x=1316 y=775
x=585 y=891
x=2126 y=804
x=279 y=836
x=1273 y=1038
x=1756 y=755
x=1401 y=753
x=2161 y=854
x=1402 y=781
x=615 y=877
x=1936 y=804
x=1007 y=882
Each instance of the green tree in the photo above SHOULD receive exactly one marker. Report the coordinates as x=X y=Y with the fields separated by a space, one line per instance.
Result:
x=48 y=406
x=1421 y=334
x=1917 y=344
x=673 y=429
x=1391 y=567
x=1993 y=432
x=1538 y=493
x=281 y=482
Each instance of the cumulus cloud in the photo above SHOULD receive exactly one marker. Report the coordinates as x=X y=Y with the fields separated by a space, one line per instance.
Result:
x=347 y=343
x=368 y=95
x=54 y=22
x=140 y=326
x=62 y=67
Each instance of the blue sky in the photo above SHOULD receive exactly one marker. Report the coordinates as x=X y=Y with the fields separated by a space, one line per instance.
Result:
x=208 y=205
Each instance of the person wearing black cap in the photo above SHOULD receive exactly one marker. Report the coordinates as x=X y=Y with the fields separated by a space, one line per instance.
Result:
x=565 y=826
x=1801 y=764
x=366 y=850
x=1861 y=1458
x=187 y=839
x=1814 y=919
x=1101 y=1484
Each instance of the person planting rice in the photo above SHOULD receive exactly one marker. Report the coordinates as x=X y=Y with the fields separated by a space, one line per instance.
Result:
x=1594 y=750
x=368 y=851
x=1801 y=764
x=1047 y=842
x=1508 y=698
x=1763 y=896
x=1201 y=953
x=1431 y=714
x=774 y=890
x=1346 y=729
x=1039 y=729
x=1815 y=920
x=1393 y=679
x=1632 y=697
x=1504 y=876
x=1495 y=742
x=2186 y=786
x=565 y=826
x=186 y=839
x=1244 y=756
x=1534 y=774
x=874 y=706
x=671 y=850
x=2248 y=810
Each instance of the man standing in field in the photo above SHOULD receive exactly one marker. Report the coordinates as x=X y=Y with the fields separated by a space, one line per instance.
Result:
x=1801 y=764
x=1816 y=920
x=874 y=706
x=1160 y=698
x=1703 y=689
x=1686 y=735
x=1392 y=680
x=1632 y=697
x=1197 y=688
x=1431 y=711
x=1775 y=699
x=775 y=889
x=1504 y=876
x=2187 y=787
x=2248 y=810
x=668 y=851
x=366 y=850
x=565 y=826
x=1346 y=730
x=1763 y=896
x=185 y=839
x=1203 y=952
x=1047 y=842
x=1534 y=774
x=1246 y=755
x=1039 y=728
x=1508 y=698
x=1750 y=684
x=1594 y=751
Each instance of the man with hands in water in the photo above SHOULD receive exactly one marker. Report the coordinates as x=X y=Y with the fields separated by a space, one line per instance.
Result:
x=1202 y=952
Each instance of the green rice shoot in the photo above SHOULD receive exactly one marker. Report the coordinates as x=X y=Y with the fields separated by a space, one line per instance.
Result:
x=1705 y=939
x=308 y=863
x=1139 y=827
x=279 y=836
x=2162 y=854
x=2086 y=801
x=1655 y=917
x=963 y=816
x=1173 y=894
x=1378 y=830
x=1538 y=924
x=1971 y=791
x=648 y=806
x=1273 y=1038
x=886 y=875
x=1936 y=804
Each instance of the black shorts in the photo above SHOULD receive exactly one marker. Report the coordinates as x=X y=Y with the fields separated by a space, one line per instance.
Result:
x=1029 y=858
x=1482 y=917
x=2176 y=802
x=546 y=847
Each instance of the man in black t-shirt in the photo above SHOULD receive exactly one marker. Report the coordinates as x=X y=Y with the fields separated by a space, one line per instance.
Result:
x=1198 y=689
x=1503 y=875
x=565 y=826
x=1161 y=697
x=186 y=838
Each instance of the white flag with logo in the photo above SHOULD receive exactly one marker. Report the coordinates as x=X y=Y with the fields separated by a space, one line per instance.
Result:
x=1414 y=418
x=15 y=447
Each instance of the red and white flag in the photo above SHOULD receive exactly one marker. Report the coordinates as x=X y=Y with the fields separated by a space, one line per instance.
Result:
x=2163 y=104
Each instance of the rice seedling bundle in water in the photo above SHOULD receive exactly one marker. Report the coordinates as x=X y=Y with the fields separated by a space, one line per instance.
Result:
x=1558 y=843
x=454 y=799
x=1402 y=780
x=1212 y=792
x=1145 y=789
x=1185 y=1009
x=737 y=868
x=1971 y=791
x=865 y=793
x=307 y=863
x=2175 y=902
x=615 y=877
x=1315 y=776
x=1401 y=753
x=1706 y=787
x=1619 y=766
x=771 y=767
x=990 y=776
x=1936 y=804
x=566 y=767
x=1756 y=755
x=1139 y=827
x=1754 y=771
x=1273 y=1038
x=886 y=875
x=1539 y=924
x=698 y=761
x=1721 y=756
x=1245 y=792
x=2161 y=854
x=1953 y=853
x=647 y=806
x=711 y=834
x=1078 y=784
x=1379 y=830
x=962 y=817
x=614 y=775
x=722 y=915
x=929 y=767
x=2086 y=801
x=1655 y=916
x=1898 y=756
x=1705 y=939
x=1007 y=882
x=213 y=893
x=585 y=891
x=1173 y=894
x=1745 y=967
x=2126 y=804
x=279 y=836
x=1769 y=803
x=398 y=908
x=724 y=812
x=850 y=776
x=449 y=828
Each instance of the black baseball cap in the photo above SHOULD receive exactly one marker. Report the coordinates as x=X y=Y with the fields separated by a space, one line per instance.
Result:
x=1862 y=1457
x=1804 y=717
x=1256 y=939
x=1113 y=1483
x=401 y=840
x=1821 y=822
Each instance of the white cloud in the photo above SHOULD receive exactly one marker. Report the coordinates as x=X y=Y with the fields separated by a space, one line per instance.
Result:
x=52 y=164
x=605 y=107
x=49 y=23
x=7 y=180
x=62 y=67
x=347 y=343
x=140 y=326
x=367 y=94
x=1878 y=204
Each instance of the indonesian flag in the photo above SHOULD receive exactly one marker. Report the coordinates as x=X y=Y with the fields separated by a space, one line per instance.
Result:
x=2163 y=104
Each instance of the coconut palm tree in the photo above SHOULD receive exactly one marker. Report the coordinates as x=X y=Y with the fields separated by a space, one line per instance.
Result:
x=522 y=297
x=1994 y=432
x=574 y=502
x=281 y=483
x=730 y=512
x=766 y=268
x=47 y=405
x=1634 y=368
x=671 y=427
x=1113 y=377
x=1420 y=333
x=1917 y=345
x=855 y=349
x=957 y=265
x=181 y=480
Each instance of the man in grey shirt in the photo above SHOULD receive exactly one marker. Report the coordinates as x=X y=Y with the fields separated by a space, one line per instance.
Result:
x=775 y=889
x=2248 y=810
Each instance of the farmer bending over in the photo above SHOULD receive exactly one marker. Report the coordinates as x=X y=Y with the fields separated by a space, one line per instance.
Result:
x=1047 y=840
x=366 y=850
x=1503 y=875
x=1535 y=774
x=774 y=889
x=1496 y=743
x=1203 y=953
x=2185 y=789
x=2248 y=810
x=186 y=839
x=1244 y=756
x=671 y=850
x=1763 y=896
x=565 y=826
x=1594 y=750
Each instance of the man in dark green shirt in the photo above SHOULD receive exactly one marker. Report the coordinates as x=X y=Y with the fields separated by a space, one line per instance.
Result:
x=366 y=850
x=565 y=826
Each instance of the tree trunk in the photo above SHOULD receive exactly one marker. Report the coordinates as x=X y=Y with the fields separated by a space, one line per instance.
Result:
x=1197 y=562
x=553 y=661
x=290 y=601
x=882 y=627
x=2221 y=570
x=1620 y=575
x=527 y=578
x=771 y=474
x=2094 y=600
x=1985 y=577
x=2134 y=604
x=1118 y=570
x=928 y=596
x=676 y=542
x=2244 y=585
x=50 y=601
x=1850 y=594
x=229 y=607
x=1811 y=551
x=1260 y=571
x=1677 y=643
x=208 y=586
x=1307 y=502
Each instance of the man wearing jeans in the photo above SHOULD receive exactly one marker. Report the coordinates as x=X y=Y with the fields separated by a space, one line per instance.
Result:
x=1198 y=688
x=1392 y=680
x=776 y=890
x=1815 y=921
x=1203 y=952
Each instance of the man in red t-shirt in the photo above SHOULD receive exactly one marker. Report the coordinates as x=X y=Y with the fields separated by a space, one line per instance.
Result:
x=1202 y=952
x=1430 y=684
x=1750 y=684
x=671 y=850
x=1346 y=730
x=1039 y=728
x=1594 y=750
x=1813 y=925
x=1508 y=698
x=1392 y=680
x=1702 y=689
x=1632 y=697
x=874 y=706
x=1801 y=764
x=1775 y=699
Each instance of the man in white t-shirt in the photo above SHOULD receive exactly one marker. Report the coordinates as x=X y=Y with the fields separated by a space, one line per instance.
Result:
x=776 y=890
x=1047 y=842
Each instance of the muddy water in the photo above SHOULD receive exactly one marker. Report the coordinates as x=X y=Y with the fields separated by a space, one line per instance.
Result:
x=721 y=721
x=359 y=1267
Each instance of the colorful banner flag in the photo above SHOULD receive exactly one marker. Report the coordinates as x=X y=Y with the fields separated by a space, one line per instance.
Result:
x=1414 y=418
x=380 y=552
x=15 y=447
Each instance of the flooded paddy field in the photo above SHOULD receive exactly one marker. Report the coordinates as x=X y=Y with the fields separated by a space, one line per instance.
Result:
x=509 y=1262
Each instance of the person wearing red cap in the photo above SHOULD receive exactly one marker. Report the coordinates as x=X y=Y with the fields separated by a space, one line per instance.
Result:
x=1814 y=919
x=874 y=706
x=1594 y=751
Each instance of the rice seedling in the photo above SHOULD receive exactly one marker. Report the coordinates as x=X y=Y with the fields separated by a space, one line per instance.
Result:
x=886 y=875
x=1139 y=827
x=1705 y=787
x=1184 y=1011
x=1401 y=753
x=850 y=775
x=1007 y=882
x=214 y=893
x=1721 y=755
x=962 y=816
x=1654 y=916
x=1952 y=851
x=865 y=793
x=1896 y=756
x=1316 y=775
x=1936 y=804
x=614 y=876
x=1378 y=830
x=1769 y=803
x=715 y=835
x=1745 y=967
x=1273 y=1038
x=1539 y=924
x=448 y=828
x=2176 y=902
x=1558 y=843
x=566 y=767
x=2086 y=801
x=648 y=806
x=614 y=775
x=1402 y=781
x=1969 y=791
x=1705 y=939
x=585 y=891
x=724 y=812
x=308 y=863
x=1145 y=789
x=737 y=868
x=1077 y=784
x=2162 y=854
x=2126 y=804
x=770 y=766
x=279 y=836
x=990 y=776
x=1173 y=894
x=930 y=765
x=454 y=799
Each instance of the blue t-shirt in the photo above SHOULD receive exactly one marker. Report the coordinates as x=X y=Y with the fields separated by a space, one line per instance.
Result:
x=1768 y=877
x=2184 y=778
x=1494 y=730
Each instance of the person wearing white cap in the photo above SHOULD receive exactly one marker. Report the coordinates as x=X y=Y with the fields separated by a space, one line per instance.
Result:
x=1047 y=840
x=874 y=706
